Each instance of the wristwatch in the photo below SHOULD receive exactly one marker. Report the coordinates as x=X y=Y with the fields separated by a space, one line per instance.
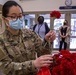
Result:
x=68 y=2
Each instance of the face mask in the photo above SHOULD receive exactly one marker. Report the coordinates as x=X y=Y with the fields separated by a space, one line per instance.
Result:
x=65 y=23
x=18 y=24
x=40 y=21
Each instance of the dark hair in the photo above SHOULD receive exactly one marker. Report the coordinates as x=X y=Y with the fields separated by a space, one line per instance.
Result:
x=65 y=22
x=6 y=7
x=40 y=17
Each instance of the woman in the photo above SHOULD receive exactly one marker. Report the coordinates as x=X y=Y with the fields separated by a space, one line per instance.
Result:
x=64 y=33
x=41 y=28
x=21 y=50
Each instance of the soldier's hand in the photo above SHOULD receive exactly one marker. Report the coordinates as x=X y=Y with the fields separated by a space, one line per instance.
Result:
x=42 y=61
x=50 y=36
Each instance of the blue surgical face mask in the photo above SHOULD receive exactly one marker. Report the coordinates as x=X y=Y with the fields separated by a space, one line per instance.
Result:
x=18 y=24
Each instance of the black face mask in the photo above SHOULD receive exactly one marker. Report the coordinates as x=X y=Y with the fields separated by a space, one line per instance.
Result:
x=40 y=21
x=65 y=23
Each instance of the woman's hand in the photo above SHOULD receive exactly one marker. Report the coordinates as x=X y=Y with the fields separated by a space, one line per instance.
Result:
x=50 y=36
x=44 y=60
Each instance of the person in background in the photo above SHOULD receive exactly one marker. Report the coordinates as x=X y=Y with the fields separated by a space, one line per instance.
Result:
x=64 y=33
x=22 y=51
x=41 y=28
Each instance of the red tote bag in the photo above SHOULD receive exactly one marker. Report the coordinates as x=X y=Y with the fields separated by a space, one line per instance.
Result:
x=44 y=71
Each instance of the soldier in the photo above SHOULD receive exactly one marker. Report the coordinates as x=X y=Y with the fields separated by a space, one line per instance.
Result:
x=22 y=52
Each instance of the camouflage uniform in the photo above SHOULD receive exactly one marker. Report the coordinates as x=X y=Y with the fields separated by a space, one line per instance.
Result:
x=18 y=51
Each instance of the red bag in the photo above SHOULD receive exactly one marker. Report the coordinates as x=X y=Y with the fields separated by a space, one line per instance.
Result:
x=44 y=71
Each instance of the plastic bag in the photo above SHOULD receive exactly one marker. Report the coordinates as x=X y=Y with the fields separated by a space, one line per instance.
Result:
x=44 y=71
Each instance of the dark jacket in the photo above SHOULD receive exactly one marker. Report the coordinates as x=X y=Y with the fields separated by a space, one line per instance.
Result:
x=46 y=28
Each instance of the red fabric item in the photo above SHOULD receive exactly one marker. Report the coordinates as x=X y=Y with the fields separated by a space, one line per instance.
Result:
x=44 y=71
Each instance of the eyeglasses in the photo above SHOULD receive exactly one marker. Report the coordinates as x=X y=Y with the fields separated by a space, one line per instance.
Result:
x=14 y=18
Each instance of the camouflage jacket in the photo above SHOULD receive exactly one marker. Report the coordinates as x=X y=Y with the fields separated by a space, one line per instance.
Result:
x=18 y=51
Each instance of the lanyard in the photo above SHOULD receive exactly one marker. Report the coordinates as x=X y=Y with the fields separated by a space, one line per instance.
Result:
x=39 y=26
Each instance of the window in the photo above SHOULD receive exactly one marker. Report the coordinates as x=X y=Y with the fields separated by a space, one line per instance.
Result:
x=29 y=21
x=57 y=24
x=73 y=32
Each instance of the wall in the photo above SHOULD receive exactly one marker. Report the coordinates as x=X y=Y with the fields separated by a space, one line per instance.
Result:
x=42 y=5
x=3 y=1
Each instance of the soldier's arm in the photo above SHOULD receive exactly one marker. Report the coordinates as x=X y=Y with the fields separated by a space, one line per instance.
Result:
x=7 y=65
x=42 y=47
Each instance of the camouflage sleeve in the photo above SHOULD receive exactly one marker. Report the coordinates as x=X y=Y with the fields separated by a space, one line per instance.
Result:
x=25 y=67
x=42 y=47
x=4 y=61
x=8 y=66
